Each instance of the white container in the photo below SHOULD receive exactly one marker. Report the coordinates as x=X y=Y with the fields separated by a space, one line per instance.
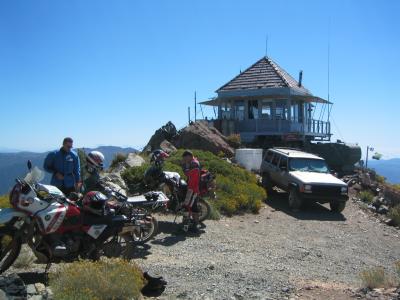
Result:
x=249 y=158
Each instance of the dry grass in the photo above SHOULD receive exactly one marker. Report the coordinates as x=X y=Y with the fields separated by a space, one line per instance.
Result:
x=234 y=140
x=376 y=278
x=118 y=158
x=394 y=214
x=366 y=196
x=101 y=280
x=4 y=201
x=397 y=268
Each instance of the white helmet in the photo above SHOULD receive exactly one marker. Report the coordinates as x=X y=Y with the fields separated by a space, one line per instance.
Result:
x=96 y=158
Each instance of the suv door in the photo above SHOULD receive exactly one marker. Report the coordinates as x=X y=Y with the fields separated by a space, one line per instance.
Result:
x=266 y=163
x=282 y=177
x=274 y=168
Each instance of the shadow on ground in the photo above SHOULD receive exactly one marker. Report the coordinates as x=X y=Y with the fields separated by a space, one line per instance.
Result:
x=33 y=277
x=175 y=233
x=309 y=211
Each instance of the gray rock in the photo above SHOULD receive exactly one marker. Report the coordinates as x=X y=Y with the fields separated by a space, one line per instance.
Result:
x=383 y=209
x=31 y=289
x=203 y=137
x=36 y=297
x=134 y=160
x=285 y=289
x=40 y=288
x=3 y=295
x=115 y=178
x=167 y=147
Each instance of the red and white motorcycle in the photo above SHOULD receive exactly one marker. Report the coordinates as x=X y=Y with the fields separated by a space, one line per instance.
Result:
x=55 y=228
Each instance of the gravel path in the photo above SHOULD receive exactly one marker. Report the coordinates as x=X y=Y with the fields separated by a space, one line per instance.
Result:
x=274 y=255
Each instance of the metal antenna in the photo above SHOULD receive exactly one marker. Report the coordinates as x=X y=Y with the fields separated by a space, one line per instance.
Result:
x=329 y=66
x=266 y=45
x=195 y=106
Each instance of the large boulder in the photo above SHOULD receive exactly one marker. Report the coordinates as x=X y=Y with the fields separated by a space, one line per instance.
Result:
x=134 y=160
x=200 y=135
x=167 y=146
x=166 y=132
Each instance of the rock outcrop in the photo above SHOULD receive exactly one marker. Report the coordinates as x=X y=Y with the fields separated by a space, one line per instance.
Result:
x=203 y=137
x=198 y=135
x=134 y=160
x=165 y=133
x=113 y=178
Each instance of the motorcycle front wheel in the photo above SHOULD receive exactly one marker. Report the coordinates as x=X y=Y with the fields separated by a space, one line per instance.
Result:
x=10 y=247
x=204 y=208
x=146 y=231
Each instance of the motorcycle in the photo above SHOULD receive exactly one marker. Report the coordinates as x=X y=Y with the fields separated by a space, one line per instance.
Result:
x=138 y=209
x=55 y=228
x=172 y=185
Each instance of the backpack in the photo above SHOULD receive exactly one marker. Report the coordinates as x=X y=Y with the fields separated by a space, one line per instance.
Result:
x=206 y=181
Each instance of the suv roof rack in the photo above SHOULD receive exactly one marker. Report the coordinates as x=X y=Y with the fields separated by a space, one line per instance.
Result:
x=286 y=148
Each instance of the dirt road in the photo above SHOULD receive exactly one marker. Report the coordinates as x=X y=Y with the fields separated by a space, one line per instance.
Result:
x=278 y=254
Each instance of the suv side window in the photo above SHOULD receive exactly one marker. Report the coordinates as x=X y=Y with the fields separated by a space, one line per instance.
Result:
x=283 y=162
x=275 y=159
x=268 y=156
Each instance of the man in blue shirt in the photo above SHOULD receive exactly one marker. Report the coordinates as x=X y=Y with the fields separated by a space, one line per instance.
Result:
x=65 y=167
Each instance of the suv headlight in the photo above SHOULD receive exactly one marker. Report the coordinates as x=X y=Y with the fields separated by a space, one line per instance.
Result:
x=307 y=188
x=343 y=190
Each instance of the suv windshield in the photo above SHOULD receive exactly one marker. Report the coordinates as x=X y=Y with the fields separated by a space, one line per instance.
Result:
x=308 y=165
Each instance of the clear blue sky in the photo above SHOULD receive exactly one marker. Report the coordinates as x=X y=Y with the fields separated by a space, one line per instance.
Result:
x=111 y=72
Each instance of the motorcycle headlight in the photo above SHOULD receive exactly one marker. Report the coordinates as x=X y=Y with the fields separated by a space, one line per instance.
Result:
x=343 y=190
x=307 y=188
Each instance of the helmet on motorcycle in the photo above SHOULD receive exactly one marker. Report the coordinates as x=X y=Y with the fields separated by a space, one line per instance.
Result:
x=94 y=202
x=158 y=157
x=95 y=159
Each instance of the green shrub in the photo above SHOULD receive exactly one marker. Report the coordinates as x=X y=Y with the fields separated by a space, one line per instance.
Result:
x=375 y=278
x=236 y=188
x=380 y=179
x=4 y=201
x=394 y=214
x=396 y=187
x=106 y=279
x=234 y=140
x=366 y=196
x=118 y=158
x=134 y=178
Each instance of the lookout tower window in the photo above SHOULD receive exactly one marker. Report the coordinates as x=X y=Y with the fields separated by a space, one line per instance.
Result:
x=253 y=109
x=281 y=111
x=266 y=109
x=239 y=110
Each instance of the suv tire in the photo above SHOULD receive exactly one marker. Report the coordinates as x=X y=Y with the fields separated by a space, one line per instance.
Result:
x=295 y=201
x=337 y=207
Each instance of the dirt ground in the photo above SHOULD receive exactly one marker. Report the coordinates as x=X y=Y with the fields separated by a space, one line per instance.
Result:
x=277 y=254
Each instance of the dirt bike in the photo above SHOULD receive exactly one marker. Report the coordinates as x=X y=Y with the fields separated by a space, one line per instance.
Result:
x=172 y=185
x=138 y=209
x=54 y=227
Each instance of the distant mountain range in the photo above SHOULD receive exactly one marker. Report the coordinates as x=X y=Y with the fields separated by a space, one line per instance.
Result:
x=389 y=168
x=13 y=165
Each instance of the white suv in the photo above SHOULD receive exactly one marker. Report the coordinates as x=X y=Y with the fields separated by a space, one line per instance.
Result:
x=304 y=176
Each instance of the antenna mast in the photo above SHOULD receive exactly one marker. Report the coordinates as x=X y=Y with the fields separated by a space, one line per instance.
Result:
x=329 y=68
x=266 y=45
x=195 y=106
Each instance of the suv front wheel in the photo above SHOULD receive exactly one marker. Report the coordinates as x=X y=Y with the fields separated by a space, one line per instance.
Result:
x=337 y=207
x=295 y=200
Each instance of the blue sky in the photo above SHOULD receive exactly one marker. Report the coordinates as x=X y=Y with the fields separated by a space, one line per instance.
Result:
x=111 y=72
